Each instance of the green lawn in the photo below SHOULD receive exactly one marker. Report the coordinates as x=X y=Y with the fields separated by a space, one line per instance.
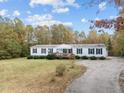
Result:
x=35 y=76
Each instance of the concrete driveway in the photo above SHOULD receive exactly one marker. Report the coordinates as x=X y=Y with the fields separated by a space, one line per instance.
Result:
x=101 y=77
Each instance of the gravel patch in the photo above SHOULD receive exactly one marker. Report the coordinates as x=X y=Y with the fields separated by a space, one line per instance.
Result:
x=101 y=77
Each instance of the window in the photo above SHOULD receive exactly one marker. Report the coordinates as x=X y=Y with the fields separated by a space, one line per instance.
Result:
x=99 y=51
x=50 y=50
x=35 y=50
x=91 y=51
x=79 y=51
x=70 y=51
x=59 y=50
x=43 y=51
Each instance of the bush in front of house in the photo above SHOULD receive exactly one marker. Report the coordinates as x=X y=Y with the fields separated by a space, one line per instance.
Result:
x=65 y=57
x=36 y=57
x=61 y=57
x=60 y=69
x=93 y=58
x=51 y=56
x=84 y=57
x=57 y=57
x=102 y=58
x=77 y=57
x=42 y=57
x=29 y=57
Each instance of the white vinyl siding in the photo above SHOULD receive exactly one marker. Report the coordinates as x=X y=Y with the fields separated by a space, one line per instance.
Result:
x=79 y=50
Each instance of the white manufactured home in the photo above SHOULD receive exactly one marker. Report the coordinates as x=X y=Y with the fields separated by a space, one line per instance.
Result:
x=97 y=50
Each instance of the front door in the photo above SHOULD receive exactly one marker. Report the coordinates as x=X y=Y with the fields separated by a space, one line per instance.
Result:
x=64 y=50
x=70 y=51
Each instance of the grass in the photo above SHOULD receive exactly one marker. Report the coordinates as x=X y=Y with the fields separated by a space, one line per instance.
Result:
x=36 y=76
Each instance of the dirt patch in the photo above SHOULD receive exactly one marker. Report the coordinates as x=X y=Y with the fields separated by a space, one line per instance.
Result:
x=55 y=84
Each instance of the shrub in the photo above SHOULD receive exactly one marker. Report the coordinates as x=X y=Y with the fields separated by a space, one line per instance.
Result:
x=60 y=69
x=65 y=57
x=8 y=57
x=72 y=65
x=59 y=57
x=42 y=57
x=77 y=57
x=51 y=56
x=36 y=57
x=93 y=58
x=102 y=58
x=29 y=57
x=84 y=57
x=4 y=55
x=52 y=79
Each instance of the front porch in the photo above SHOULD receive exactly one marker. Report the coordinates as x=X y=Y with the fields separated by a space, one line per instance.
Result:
x=66 y=49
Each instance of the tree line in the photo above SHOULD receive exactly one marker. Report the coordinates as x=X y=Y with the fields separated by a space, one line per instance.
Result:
x=16 y=38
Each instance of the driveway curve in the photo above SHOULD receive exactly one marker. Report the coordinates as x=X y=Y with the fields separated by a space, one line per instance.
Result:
x=101 y=77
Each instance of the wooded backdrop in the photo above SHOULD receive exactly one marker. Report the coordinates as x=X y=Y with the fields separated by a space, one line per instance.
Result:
x=16 y=38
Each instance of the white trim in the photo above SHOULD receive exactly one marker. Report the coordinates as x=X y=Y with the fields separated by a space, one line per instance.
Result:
x=74 y=47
